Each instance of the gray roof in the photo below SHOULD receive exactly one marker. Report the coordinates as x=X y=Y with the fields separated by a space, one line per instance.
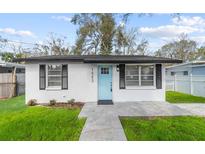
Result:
x=195 y=63
x=6 y=64
x=100 y=59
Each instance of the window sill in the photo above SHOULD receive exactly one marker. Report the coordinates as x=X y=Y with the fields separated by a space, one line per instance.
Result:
x=140 y=87
x=53 y=88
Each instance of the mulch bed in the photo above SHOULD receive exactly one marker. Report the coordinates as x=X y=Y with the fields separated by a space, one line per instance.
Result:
x=76 y=105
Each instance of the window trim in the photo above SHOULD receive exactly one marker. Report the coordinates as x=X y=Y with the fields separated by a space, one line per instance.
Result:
x=53 y=87
x=140 y=86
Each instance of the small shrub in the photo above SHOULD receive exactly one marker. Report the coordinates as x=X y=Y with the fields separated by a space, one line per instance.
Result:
x=32 y=102
x=52 y=102
x=71 y=101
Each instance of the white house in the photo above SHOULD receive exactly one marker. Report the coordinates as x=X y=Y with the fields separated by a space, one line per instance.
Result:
x=96 y=78
x=8 y=67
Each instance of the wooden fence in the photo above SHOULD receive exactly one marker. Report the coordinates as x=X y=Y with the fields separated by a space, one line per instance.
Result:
x=7 y=85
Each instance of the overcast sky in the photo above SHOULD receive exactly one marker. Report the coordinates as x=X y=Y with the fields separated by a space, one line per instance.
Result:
x=157 y=29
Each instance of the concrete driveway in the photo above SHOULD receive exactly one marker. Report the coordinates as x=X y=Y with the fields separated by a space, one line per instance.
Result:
x=103 y=120
x=193 y=108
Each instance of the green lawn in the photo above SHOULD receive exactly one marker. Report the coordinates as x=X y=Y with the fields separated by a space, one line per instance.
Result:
x=184 y=128
x=19 y=122
x=177 y=97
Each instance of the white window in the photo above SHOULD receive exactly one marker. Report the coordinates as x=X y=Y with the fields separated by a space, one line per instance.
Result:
x=139 y=75
x=54 y=75
x=132 y=75
x=147 y=75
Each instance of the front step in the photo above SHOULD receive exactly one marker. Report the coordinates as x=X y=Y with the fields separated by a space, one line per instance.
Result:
x=105 y=102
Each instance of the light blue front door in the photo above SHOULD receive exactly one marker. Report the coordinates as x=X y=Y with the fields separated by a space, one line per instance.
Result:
x=104 y=82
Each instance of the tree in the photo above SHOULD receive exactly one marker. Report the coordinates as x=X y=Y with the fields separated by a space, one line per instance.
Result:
x=41 y=50
x=142 y=47
x=183 y=48
x=107 y=29
x=121 y=40
x=167 y=50
x=99 y=33
x=3 y=42
x=96 y=33
x=131 y=41
x=200 y=53
x=21 y=55
x=54 y=45
x=126 y=43
x=88 y=35
x=7 y=56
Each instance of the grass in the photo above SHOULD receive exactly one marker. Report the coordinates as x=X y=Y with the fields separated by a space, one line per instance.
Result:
x=19 y=122
x=177 y=97
x=184 y=128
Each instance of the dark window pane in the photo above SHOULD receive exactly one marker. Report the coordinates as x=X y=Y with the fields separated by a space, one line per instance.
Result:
x=54 y=78
x=172 y=73
x=147 y=78
x=132 y=83
x=132 y=70
x=104 y=70
x=51 y=84
x=147 y=70
x=185 y=72
x=147 y=83
x=132 y=77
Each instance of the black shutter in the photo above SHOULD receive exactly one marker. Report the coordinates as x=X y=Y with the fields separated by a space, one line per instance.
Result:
x=122 y=76
x=42 y=77
x=158 y=76
x=64 y=77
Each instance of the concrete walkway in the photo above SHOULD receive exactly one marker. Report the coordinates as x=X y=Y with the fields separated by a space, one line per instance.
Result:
x=103 y=120
x=102 y=123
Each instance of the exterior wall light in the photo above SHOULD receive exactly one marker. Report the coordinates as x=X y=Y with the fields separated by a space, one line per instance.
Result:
x=117 y=68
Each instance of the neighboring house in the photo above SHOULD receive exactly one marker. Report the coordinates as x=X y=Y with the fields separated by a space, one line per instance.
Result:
x=191 y=68
x=96 y=78
x=12 y=79
x=7 y=67
x=187 y=77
